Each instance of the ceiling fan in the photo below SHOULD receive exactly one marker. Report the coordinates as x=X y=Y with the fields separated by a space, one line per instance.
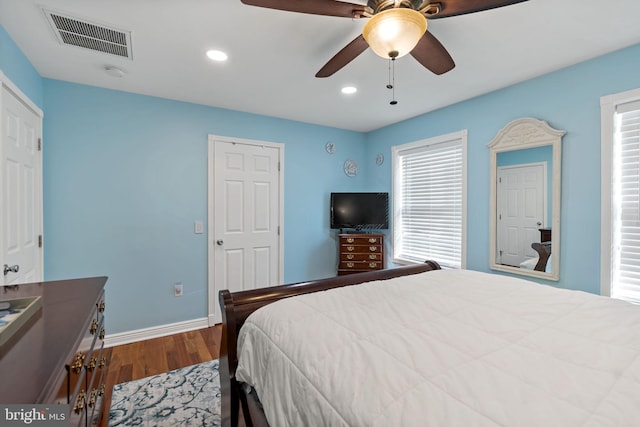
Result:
x=386 y=15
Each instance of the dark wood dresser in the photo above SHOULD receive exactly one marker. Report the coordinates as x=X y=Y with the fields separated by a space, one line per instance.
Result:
x=56 y=355
x=358 y=252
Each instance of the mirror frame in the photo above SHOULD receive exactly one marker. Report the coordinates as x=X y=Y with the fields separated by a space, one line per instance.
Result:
x=522 y=134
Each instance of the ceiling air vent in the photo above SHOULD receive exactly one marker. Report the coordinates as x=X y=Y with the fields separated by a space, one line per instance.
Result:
x=77 y=32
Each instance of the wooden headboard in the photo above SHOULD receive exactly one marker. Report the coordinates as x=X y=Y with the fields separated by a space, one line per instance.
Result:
x=237 y=306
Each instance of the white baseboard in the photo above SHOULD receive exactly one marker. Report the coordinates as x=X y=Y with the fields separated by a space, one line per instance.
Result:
x=214 y=319
x=155 y=332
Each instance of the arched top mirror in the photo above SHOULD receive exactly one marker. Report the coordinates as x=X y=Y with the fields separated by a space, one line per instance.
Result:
x=524 y=228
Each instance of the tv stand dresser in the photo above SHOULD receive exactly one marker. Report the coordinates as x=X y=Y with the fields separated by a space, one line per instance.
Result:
x=359 y=252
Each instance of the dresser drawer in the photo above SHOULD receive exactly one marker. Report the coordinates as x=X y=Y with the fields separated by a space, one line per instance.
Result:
x=360 y=239
x=361 y=256
x=95 y=413
x=348 y=248
x=96 y=369
x=83 y=370
x=360 y=265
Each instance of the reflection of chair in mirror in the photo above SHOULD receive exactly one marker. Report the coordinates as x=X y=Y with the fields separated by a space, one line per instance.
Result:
x=544 y=251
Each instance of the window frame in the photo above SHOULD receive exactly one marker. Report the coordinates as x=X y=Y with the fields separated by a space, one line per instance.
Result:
x=608 y=106
x=396 y=154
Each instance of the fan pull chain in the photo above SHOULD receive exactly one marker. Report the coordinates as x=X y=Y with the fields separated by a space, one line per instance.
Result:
x=392 y=80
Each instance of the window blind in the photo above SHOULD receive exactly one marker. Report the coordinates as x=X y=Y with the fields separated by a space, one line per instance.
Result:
x=428 y=204
x=626 y=204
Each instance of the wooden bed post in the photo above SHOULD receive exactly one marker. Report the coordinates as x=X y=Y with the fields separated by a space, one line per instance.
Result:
x=229 y=403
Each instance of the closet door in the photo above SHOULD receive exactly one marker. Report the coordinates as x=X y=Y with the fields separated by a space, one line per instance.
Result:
x=246 y=215
x=21 y=200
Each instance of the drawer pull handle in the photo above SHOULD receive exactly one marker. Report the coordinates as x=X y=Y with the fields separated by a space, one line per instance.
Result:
x=350 y=264
x=101 y=391
x=93 y=396
x=102 y=363
x=372 y=240
x=372 y=264
x=101 y=336
x=92 y=363
x=373 y=248
x=350 y=248
x=101 y=306
x=79 y=406
x=373 y=256
x=78 y=361
x=350 y=240
x=94 y=327
x=350 y=256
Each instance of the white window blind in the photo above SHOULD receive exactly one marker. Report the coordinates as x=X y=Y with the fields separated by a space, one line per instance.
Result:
x=626 y=203
x=428 y=197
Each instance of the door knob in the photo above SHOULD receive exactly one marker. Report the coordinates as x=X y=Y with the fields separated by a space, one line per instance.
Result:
x=13 y=269
x=219 y=242
x=539 y=223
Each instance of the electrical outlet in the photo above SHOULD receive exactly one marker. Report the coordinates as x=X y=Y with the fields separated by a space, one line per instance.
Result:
x=177 y=289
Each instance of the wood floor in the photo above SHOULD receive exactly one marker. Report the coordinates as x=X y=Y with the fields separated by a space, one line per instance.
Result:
x=145 y=358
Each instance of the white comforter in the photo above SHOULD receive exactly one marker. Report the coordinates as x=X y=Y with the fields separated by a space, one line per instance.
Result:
x=445 y=348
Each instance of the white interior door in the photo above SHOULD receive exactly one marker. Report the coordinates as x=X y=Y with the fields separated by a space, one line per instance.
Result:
x=21 y=199
x=521 y=200
x=245 y=233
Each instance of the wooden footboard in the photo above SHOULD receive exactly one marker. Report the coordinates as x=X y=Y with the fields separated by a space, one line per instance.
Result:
x=237 y=306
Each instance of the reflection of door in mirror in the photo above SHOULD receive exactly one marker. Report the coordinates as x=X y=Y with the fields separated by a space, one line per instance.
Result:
x=524 y=223
x=521 y=204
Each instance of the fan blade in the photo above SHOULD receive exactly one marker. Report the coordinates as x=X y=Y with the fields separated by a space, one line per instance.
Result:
x=342 y=58
x=462 y=7
x=314 y=7
x=432 y=55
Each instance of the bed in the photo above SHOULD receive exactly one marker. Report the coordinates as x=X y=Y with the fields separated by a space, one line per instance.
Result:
x=421 y=346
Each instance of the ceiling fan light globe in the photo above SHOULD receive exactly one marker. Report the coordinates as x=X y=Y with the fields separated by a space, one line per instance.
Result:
x=394 y=30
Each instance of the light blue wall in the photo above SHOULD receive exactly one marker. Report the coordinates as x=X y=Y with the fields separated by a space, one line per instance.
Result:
x=126 y=177
x=18 y=69
x=568 y=99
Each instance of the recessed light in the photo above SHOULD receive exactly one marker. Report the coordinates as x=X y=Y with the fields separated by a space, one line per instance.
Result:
x=217 y=55
x=349 y=90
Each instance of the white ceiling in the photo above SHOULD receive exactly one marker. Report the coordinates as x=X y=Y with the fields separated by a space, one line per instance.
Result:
x=274 y=55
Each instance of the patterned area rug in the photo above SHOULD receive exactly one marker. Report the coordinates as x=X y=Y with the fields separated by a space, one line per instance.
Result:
x=185 y=397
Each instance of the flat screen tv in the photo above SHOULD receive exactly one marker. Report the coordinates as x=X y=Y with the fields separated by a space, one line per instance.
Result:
x=361 y=211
